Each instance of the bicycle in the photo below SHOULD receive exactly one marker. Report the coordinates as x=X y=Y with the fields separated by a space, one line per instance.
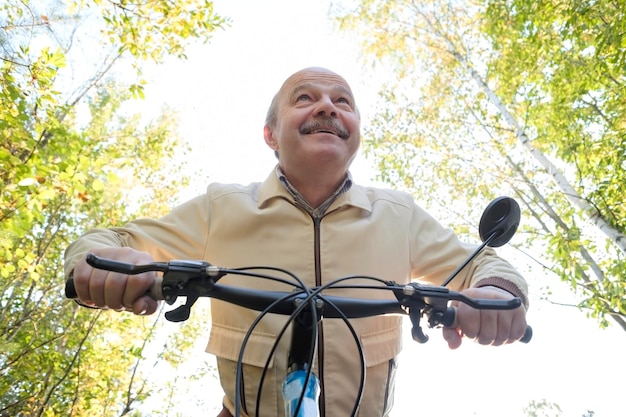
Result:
x=306 y=306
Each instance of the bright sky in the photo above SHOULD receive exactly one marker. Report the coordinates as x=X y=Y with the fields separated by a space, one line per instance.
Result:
x=223 y=92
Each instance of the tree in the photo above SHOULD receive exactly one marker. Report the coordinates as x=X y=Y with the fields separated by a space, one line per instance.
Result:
x=530 y=90
x=542 y=408
x=71 y=158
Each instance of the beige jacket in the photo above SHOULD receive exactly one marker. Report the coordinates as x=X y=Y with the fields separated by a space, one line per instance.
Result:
x=366 y=231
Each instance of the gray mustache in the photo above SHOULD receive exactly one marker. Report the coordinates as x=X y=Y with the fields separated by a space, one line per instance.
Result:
x=325 y=124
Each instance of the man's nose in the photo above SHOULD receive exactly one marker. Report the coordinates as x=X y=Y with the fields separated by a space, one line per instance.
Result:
x=326 y=107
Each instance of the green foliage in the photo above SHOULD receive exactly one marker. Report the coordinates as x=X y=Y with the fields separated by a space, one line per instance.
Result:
x=570 y=61
x=481 y=93
x=67 y=165
x=154 y=29
x=572 y=58
x=542 y=408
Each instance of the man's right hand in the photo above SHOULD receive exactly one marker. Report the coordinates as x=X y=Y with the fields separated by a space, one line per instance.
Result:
x=106 y=289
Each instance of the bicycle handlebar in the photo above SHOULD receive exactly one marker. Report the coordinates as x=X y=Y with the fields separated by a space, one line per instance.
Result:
x=193 y=279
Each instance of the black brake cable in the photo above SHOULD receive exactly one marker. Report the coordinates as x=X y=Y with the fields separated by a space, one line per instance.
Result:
x=318 y=293
x=309 y=300
x=245 y=272
x=345 y=319
x=239 y=370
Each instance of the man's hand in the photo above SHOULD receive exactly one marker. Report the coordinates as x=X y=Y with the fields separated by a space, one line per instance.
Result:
x=106 y=289
x=487 y=327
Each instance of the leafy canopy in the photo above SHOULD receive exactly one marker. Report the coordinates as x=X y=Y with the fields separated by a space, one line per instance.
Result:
x=72 y=157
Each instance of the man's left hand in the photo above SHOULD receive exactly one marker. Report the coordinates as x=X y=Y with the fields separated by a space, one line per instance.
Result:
x=487 y=327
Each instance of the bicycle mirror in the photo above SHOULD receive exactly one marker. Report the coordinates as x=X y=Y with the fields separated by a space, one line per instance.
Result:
x=499 y=221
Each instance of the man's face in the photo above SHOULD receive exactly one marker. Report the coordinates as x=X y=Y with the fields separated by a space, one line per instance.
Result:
x=316 y=122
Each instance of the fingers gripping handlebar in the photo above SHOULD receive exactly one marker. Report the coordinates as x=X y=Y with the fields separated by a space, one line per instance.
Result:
x=194 y=279
x=432 y=302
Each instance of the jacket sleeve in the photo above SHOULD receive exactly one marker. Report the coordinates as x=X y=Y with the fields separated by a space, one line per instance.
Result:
x=181 y=234
x=436 y=252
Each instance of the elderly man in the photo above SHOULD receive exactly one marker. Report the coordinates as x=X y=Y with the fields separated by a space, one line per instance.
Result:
x=310 y=218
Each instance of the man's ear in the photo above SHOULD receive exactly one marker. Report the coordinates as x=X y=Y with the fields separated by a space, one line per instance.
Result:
x=269 y=137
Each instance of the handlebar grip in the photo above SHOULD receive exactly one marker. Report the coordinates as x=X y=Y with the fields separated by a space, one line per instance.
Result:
x=155 y=290
x=70 y=290
x=528 y=335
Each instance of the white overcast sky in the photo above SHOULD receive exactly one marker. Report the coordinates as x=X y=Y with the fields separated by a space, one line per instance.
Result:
x=223 y=91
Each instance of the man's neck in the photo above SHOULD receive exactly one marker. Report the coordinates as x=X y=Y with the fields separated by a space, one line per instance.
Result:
x=316 y=188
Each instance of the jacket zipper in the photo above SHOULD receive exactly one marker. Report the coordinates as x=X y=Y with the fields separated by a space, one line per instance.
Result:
x=389 y=389
x=317 y=220
x=320 y=334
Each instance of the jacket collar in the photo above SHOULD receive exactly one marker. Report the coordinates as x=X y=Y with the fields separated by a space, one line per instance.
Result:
x=272 y=188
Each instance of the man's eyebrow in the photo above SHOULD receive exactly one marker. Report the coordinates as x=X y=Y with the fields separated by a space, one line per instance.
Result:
x=308 y=86
x=299 y=88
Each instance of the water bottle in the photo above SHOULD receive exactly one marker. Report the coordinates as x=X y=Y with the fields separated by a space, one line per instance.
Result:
x=293 y=386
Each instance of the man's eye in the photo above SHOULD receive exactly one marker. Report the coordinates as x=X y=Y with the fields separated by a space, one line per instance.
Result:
x=303 y=97
x=343 y=100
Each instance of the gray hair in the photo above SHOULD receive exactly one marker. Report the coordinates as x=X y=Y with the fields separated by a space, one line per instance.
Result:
x=270 y=117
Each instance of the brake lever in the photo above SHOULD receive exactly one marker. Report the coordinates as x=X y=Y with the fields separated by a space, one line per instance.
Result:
x=124 y=267
x=436 y=296
x=414 y=307
x=190 y=279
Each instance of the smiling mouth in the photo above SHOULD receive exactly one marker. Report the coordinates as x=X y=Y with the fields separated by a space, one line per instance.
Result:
x=329 y=126
x=325 y=131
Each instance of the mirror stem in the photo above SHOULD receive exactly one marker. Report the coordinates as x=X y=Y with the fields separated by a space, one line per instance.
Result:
x=469 y=259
